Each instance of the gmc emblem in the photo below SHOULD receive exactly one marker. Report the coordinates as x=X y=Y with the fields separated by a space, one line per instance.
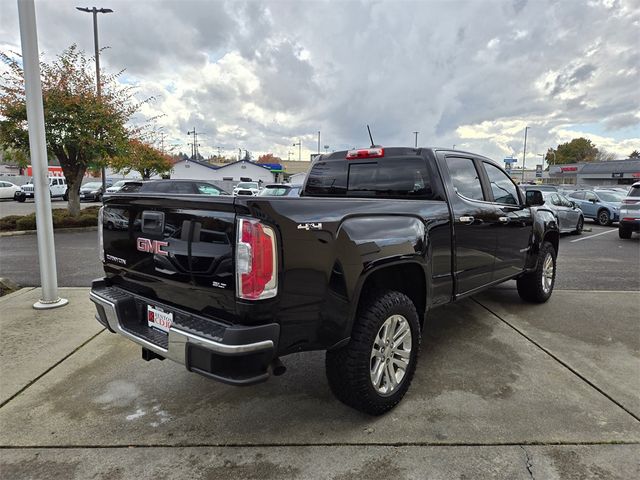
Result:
x=151 y=246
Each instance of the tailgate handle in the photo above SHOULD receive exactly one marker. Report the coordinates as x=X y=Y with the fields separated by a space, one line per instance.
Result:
x=153 y=222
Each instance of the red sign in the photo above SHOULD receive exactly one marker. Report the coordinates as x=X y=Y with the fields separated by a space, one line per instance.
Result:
x=568 y=169
x=636 y=175
x=53 y=171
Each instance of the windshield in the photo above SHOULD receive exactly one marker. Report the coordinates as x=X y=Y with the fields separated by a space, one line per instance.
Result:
x=610 y=197
x=92 y=185
x=247 y=185
x=119 y=184
x=274 y=191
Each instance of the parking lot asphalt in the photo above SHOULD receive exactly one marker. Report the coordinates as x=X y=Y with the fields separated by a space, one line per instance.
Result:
x=10 y=207
x=503 y=390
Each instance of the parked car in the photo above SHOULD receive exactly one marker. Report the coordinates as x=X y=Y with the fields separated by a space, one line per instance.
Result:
x=603 y=206
x=570 y=217
x=186 y=187
x=116 y=187
x=542 y=188
x=247 y=188
x=378 y=238
x=8 y=190
x=281 y=190
x=630 y=212
x=57 y=189
x=92 y=191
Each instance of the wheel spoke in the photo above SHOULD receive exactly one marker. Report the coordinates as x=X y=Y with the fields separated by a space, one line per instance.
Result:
x=404 y=326
x=398 y=352
x=378 y=373
x=401 y=363
x=391 y=376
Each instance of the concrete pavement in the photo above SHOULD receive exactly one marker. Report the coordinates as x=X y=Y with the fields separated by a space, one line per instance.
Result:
x=503 y=390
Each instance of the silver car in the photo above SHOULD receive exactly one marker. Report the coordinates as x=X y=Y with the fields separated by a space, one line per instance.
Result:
x=630 y=213
x=570 y=217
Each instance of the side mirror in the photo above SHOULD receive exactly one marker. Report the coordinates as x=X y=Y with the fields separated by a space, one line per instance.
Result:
x=534 y=198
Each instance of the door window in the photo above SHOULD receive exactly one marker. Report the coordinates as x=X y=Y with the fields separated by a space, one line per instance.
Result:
x=502 y=187
x=578 y=195
x=465 y=178
x=588 y=196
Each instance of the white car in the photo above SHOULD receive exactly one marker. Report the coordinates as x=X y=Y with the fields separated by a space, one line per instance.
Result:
x=8 y=190
x=57 y=188
x=247 y=188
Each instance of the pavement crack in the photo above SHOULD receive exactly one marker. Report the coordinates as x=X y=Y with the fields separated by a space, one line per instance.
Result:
x=528 y=462
x=31 y=382
x=559 y=360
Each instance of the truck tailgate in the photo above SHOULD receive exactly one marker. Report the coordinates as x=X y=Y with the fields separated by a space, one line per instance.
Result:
x=177 y=248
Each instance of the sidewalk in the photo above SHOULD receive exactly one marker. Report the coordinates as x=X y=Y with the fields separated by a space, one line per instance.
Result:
x=495 y=396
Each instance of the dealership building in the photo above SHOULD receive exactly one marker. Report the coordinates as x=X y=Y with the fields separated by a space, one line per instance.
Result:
x=615 y=172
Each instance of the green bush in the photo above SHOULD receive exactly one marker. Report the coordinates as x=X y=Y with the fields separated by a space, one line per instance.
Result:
x=88 y=218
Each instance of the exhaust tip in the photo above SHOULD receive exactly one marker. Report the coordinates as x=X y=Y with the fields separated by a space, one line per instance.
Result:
x=277 y=367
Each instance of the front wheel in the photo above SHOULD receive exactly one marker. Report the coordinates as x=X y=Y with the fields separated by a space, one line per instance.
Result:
x=374 y=370
x=579 y=225
x=604 y=218
x=537 y=286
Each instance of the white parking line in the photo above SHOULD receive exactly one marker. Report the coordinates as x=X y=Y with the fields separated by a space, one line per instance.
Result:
x=596 y=235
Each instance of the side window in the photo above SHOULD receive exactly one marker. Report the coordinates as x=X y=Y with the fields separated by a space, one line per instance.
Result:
x=555 y=200
x=578 y=195
x=465 y=178
x=503 y=188
x=207 y=189
x=588 y=196
x=564 y=201
x=54 y=181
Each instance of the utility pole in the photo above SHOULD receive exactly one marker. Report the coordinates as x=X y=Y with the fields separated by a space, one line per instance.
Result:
x=162 y=135
x=454 y=146
x=299 y=145
x=194 y=144
x=289 y=156
x=95 y=11
x=416 y=134
x=38 y=152
x=318 y=142
x=524 y=153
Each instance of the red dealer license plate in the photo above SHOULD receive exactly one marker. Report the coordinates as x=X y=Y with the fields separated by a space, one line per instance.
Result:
x=159 y=319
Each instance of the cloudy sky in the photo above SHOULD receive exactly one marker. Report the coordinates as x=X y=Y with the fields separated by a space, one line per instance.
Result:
x=261 y=75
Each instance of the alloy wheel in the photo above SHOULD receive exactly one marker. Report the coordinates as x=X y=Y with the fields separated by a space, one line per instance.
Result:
x=390 y=355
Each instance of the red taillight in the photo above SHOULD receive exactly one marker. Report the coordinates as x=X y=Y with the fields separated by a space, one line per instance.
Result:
x=256 y=269
x=376 y=152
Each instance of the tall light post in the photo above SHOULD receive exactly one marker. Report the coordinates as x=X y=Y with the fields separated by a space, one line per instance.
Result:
x=299 y=145
x=524 y=153
x=318 y=142
x=416 y=142
x=95 y=11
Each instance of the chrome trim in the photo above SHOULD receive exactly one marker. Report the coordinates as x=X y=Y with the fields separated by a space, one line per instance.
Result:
x=178 y=339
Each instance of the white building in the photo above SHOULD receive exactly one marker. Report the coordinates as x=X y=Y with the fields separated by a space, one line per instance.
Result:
x=190 y=169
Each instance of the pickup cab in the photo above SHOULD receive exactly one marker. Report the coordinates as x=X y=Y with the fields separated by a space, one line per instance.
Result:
x=378 y=239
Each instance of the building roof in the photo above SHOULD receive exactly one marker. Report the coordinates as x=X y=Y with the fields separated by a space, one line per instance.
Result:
x=214 y=167
x=614 y=166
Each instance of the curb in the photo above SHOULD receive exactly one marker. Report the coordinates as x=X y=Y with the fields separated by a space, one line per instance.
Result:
x=57 y=230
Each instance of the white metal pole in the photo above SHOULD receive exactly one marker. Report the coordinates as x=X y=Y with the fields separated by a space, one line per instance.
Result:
x=38 y=151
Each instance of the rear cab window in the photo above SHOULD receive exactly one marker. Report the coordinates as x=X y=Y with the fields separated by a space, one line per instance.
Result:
x=393 y=176
x=634 y=192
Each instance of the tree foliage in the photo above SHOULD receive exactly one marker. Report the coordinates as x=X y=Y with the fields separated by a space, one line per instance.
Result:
x=269 y=158
x=577 y=150
x=142 y=158
x=81 y=129
x=634 y=154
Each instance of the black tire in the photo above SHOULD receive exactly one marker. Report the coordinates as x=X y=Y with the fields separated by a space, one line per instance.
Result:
x=65 y=197
x=349 y=368
x=624 y=232
x=110 y=226
x=579 y=226
x=604 y=218
x=98 y=198
x=531 y=286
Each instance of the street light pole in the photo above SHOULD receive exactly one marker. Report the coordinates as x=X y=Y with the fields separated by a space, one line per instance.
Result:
x=318 y=142
x=299 y=145
x=416 y=134
x=524 y=154
x=38 y=153
x=95 y=12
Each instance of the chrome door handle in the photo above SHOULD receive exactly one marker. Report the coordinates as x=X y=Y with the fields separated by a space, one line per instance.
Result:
x=503 y=219
x=466 y=219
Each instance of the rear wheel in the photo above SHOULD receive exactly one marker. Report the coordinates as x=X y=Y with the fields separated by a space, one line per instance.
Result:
x=537 y=286
x=624 y=232
x=604 y=218
x=65 y=197
x=374 y=370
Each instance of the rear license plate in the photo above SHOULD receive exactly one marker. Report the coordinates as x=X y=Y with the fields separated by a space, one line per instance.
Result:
x=159 y=319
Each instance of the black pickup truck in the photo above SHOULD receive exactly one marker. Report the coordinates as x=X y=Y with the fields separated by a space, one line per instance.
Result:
x=378 y=238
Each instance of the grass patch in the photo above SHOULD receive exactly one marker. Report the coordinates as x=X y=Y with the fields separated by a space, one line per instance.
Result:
x=61 y=219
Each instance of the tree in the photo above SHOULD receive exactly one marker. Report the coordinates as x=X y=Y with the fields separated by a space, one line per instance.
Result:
x=81 y=129
x=269 y=158
x=142 y=158
x=15 y=157
x=577 y=150
x=634 y=154
x=605 y=156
